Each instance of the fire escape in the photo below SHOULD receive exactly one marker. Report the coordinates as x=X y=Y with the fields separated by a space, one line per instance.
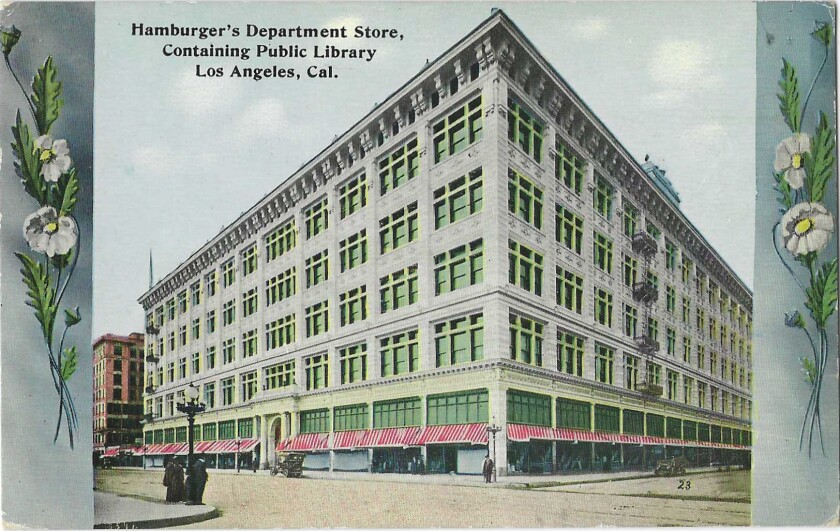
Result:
x=152 y=331
x=646 y=293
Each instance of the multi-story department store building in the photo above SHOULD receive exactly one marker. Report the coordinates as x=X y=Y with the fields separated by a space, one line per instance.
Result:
x=477 y=251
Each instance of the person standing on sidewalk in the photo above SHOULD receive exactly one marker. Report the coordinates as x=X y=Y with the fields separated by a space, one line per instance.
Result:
x=199 y=474
x=487 y=469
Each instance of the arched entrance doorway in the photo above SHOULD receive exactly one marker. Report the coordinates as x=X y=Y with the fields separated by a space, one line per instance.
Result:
x=275 y=435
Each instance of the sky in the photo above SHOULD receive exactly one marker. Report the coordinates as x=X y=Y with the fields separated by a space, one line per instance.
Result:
x=178 y=157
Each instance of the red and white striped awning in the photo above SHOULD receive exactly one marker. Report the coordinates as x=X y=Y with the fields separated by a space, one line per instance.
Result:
x=343 y=440
x=111 y=452
x=227 y=446
x=454 y=433
x=524 y=433
x=307 y=442
x=390 y=437
x=164 y=449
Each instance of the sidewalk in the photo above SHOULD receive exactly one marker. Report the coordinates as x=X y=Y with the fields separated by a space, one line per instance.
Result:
x=122 y=512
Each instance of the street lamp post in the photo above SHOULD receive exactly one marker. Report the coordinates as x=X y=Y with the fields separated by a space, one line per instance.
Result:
x=492 y=430
x=190 y=407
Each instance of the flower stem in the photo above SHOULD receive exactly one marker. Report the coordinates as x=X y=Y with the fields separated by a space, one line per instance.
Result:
x=814 y=82
x=25 y=95
x=781 y=258
x=72 y=266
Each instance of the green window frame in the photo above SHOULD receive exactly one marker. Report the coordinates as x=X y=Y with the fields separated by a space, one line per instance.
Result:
x=525 y=130
x=148 y=437
x=249 y=343
x=603 y=306
x=317 y=371
x=195 y=293
x=399 y=289
x=397 y=413
x=526 y=340
x=352 y=361
x=686 y=349
x=399 y=167
x=634 y=422
x=652 y=230
x=458 y=130
x=701 y=356
x=169 y=435
x=352 y=306
x=569 y=167
x=196 y=363
x=602 y=196
x=703 y=432
x=399 y=353
x=689 y=430
x=245 y=428
x=227 y=430
x=673 y=428
x=228 y=273
x=602 y=252
x=459 y=267
x=353 y=250
x=182 y=303
x=280 y=332
x=631 y=219
x=570 y=349
x=525 y=199
x=398 y=229
x=317 y=268
x=170 y=309
x=672 y=380
x=569 y=228
x=229 y=312
x=688 y=388
x=351 y=417
x=280 y=375
x=607 y=418
x=525 y=267
x=459 y=340
x=687 y=267
x=250 y=303
x=210 y=357
x=671 y=340
x=281 y=286
x=316 y=218
x=465 y=407
x=228 y=391
x=280 y=240
x=604 y=361
x=318 y=318
x=631 y=372
x=459 y=199
x=670 y=255
x=655 y=425
x=686 y=310
x=159 y=436
x=249 y=260
x=670 y=298
x=248 y=385
x=574 y=414
x=352 y=195
x=210 y=283
x=181 y=434
x=196 y=328
x=528 y=408
x=315 y=421
x=631 y=320
x=631 y=270
x=182 y=335
x=569 y=290
x=228 y=351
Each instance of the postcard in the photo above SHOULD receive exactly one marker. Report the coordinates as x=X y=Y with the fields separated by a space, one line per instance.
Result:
x=419 y=264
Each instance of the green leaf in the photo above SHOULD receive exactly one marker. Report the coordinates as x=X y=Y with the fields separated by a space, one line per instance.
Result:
x=819 y=163
x=810 y=370
x=822 y=293
x=46 y=96
x=40 y=292
x=67 y=189
x=28 y=165
x=783 y=187
x=789 y=97
x=72 y=318
x=823 y=33
x=68 y=364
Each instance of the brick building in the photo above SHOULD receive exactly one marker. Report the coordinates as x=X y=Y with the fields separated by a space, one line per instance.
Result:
x=477 y=251
x=118 y=389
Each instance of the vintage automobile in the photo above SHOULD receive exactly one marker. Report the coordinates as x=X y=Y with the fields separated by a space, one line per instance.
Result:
x=289 y=464
x=674 y=466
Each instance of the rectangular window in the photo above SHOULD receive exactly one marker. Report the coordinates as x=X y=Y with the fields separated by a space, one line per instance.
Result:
x=182 y=302
x=170 y=310
x=352 y=195
x=182 y=368
x=687 y=349
x=245 y=428
x=631 y=219
x=603 y=306
x=460 y=129
x=228 y=273
x=227 y=429
x=353 y=306
x=211 y=358
x=281 y=286
x=280 y=240
x=686 y=310
x=227 y=392
x=196 y=363
x=172 y=341
x=399 y=167
x=670 y=298
x=634 y=422
x=195 y=293
x=631 y=372
x=655 y=425
x=318 y=318
x=602 y=196
x=459 y=267
x=653 y=328
x=316 y=218
x=525 y=267
x=673 y=428
x=652 y=230
x=317 y=268
x=670 y=255
x=574 y=414
x=525 y=200
x=315 y=421
x=460 y=198
x=249 y=343
x=210 y=283
x=630 y=270
x=673 y=378
x=570 y=353
x=353 y=417
x=280 y=332
x=249 y=385
x=353 y=250
x=701 y=357
x=399 y=289
x=526 y=337
x=631 y=318
x=280 y=375
x=654 y=374
x=400 y=228
x=525 y=130
x=528 y=408
x=399 y=354
x=229 y=312
x=603 y=252
x=459 y=340
x=604 y=357
x=397 y=413
x=249 y=260
x=687 y=267
x=182 y=335
x=607 y=418
x=569 y=229
x=569 y=167
x=569 y=290
x=249 y=302
x=196 y=328
x=688 y=389
x=353 y=363
x=317 y=370
x=228 y=351
x=457 y=408
x=671 y=340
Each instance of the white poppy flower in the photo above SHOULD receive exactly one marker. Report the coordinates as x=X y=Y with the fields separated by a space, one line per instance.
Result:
x=46 y=232
x=806 y=228
x=55 y=157
x=790 y=158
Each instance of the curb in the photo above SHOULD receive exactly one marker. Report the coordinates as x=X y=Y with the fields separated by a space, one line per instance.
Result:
x=157 y=523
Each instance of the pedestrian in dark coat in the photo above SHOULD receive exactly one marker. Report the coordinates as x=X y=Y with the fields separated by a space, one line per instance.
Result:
x=199 y=481
x=177 y=486
x=487 y=469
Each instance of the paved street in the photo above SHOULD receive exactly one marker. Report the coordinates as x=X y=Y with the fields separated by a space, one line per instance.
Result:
x=261 y=501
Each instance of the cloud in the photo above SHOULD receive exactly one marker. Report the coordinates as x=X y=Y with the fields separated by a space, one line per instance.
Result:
x=204 y=96
x=590 y=28
x=265 y=119
x=680 y=67
x=152 y=162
